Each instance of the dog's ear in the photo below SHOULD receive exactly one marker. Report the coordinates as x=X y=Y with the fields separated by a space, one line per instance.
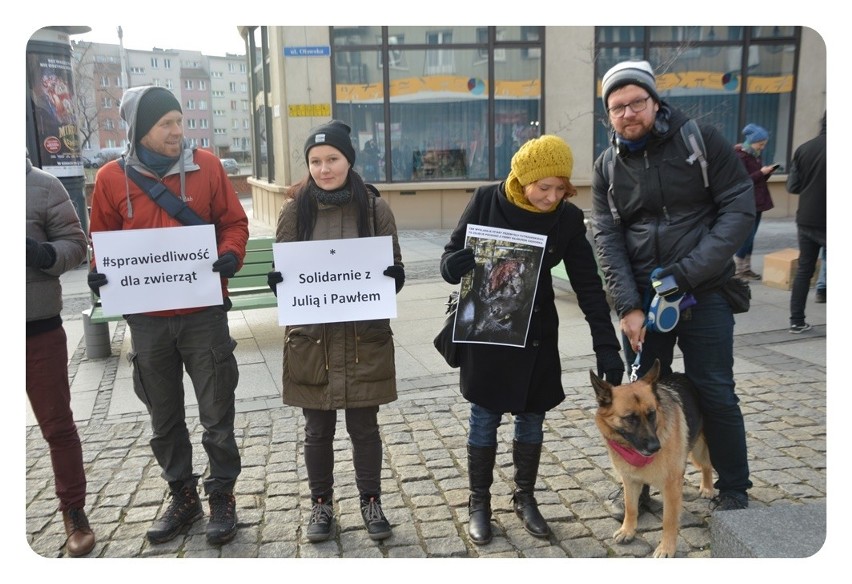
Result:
x=653 y=373
x=603 y=390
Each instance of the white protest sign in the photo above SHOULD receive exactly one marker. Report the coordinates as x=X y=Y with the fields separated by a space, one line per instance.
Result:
x=335 y=280
x=157 y=269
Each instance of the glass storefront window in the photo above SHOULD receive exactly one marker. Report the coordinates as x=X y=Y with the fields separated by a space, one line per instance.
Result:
x=434 y=113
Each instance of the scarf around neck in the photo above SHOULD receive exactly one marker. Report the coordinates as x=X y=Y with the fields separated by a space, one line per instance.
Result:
x=516 y=196
x=156 y=162
x=336 y=198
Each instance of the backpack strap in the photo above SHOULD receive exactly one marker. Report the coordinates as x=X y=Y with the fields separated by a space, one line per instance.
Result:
x=160 y=194
x=608 y=168
x=691 y=134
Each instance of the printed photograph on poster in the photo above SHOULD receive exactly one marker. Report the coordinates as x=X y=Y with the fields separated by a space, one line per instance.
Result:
x=496 y=297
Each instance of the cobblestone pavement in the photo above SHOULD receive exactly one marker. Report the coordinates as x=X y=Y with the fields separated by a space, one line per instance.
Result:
x=783 y=397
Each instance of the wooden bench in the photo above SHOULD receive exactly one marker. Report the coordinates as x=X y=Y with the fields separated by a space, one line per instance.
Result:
x=247 y=289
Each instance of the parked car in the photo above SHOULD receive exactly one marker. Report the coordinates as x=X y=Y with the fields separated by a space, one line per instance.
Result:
x=105 y=156
x=231 y=166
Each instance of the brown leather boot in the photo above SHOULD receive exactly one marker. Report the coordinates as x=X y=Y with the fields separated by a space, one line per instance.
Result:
x=81 y=538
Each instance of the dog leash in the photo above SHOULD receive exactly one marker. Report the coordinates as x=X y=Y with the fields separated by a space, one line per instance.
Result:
x=634 y=369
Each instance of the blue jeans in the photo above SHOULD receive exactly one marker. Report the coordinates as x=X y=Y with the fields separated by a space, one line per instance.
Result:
x=484 y=423
x=748 y=246
x=705 y=336
x=810 y=241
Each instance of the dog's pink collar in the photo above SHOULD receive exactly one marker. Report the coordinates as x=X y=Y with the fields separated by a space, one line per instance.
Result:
x=630 y=455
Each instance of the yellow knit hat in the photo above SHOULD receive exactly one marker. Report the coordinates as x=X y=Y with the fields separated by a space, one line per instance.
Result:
x=541 y=157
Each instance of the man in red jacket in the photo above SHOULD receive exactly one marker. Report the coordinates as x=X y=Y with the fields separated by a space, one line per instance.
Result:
x=164 y=342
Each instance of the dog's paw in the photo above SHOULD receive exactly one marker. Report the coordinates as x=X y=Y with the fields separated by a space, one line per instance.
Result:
x=663 y=551
x=623 y=535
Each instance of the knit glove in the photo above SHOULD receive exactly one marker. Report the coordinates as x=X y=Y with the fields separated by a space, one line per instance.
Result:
x=610 y=366
x=457 y=264
x=274 y=278
x=398 y=274
x=40 y=255
x=95 y=281
x=226 y=265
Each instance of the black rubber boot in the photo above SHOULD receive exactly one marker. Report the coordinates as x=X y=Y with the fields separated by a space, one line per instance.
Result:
x=480 y=471
x=526 y=458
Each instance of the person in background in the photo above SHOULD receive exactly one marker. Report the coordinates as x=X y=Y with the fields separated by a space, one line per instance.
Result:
x=526 y=381
x=749 y=152
x=164 y=342
x=55 y=244
x=663 y=217
x=820 y=292
x=807 y=179
x=343 y=365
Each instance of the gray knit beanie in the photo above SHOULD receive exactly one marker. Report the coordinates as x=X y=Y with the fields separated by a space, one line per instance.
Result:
x=153 y=105
x=629 y=73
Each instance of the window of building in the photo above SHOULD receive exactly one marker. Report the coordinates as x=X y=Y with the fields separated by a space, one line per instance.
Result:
x=202 y=85
x=190 y=104
x=202 y=104
x=455 y=105
x=204 y=124
x=155 y=63
x=137 y=70
x=167 y=63
x=187 y=84
x=189 y=123
x=263 y=160
x=725 y=76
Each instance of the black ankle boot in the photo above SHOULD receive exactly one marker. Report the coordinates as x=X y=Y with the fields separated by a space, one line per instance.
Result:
x=480 y=471
x=526 y=458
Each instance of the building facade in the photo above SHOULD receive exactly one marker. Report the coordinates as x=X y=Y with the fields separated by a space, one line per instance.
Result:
x=212 y=90
x=436 y=111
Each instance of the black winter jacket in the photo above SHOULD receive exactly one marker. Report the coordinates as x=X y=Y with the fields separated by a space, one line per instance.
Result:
x=668 y=218
x=807 y=179
x=529 y=379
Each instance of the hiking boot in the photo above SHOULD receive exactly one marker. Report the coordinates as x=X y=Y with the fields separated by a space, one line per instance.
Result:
x=615 y=502
x=184 y=510
x=800 y=328
x=378 y=527
x=729 y=501
x=321 y=522
x=223 y=518
x=81 y=538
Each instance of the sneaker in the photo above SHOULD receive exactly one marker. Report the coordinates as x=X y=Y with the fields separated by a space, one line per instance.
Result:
x=377 y=525
x=800 y=328
x=223 y=518
x=820 y=296
x=184 y=510
x=749 y=275
x=81 y=538
x=726 y=501
x=321 y=522
x=615 y=502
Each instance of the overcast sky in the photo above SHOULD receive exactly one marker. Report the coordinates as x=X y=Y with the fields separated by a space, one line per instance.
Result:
x=210 y=39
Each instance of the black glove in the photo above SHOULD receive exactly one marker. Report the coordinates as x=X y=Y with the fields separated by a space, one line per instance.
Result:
x=40 y=255
x=226 y=265
x=274 y=278
x=457 y=264
x=95 y=281
x=397 y=273
x=611 y=366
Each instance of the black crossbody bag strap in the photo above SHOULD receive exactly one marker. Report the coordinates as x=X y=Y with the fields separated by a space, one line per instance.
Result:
x=161 y=195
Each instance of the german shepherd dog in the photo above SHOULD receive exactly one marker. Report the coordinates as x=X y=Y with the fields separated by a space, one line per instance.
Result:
x=651 y=426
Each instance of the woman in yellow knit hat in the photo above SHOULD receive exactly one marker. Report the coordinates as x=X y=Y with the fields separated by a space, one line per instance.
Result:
x=526 y=381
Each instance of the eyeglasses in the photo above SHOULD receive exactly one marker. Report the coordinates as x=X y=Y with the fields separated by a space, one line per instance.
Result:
x=636 y=106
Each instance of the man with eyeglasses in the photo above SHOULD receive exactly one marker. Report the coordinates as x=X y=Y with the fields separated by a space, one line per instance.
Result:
x=653 y=212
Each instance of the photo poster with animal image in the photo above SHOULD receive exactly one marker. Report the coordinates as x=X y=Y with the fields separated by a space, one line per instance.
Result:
x=496 y=297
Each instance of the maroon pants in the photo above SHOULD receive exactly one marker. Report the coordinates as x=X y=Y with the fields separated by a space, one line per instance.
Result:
x=50 y=398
